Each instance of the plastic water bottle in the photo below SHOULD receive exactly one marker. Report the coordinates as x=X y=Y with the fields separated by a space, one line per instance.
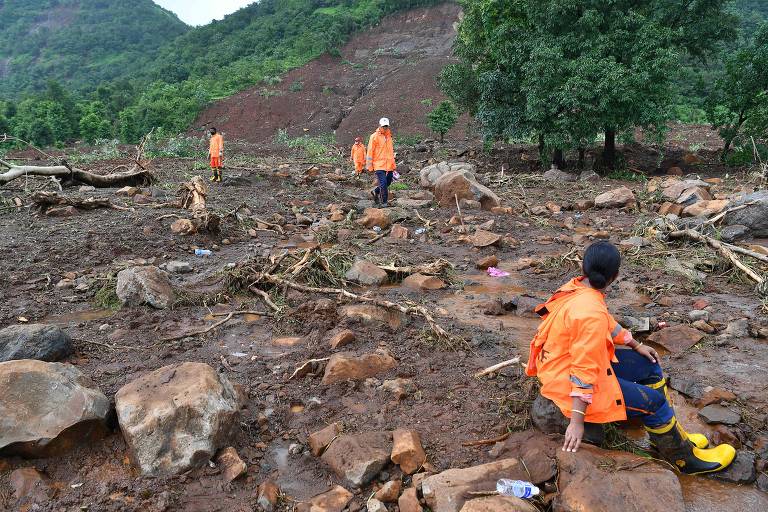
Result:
x=202 y=252
x=420 y=231
x=377 y=229
x=518 y=488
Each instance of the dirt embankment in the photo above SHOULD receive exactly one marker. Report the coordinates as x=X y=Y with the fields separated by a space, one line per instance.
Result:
x=389 y=70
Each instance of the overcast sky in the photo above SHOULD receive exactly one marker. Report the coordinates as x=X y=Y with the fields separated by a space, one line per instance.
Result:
x=200 y=12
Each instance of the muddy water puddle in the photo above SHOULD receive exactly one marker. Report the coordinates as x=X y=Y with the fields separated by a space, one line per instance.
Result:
x=702 y=494
x=295 y=474
x=79 y=317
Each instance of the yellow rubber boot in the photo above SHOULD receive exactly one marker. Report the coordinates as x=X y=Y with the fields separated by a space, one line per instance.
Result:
x=677 y=450
x=698 y=440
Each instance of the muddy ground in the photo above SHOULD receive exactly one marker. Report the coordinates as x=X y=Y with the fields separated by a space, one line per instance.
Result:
x=447 y=407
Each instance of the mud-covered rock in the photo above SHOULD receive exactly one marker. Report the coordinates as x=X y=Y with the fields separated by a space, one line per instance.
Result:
x=341 y=339
x=407 y=451
x=375 y=315
x=716 y=413
x=498 y=504
x=616 y=198
x=677 y=338
x=556 y=175
x=358 y=458
x=334 y=500
x=144 y=285
x=31 y=484
x=48 y=408
x=420 y=282
x=448 y=491
x=347 y=366
x=34 y=341
x=366 y=273
x=319 y=441
x=595 y=479
x=535 y=449
x=177 y=417
x=462 y=185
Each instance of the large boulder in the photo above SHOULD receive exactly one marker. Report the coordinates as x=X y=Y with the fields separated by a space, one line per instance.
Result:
x=616 y=198
x=347 y=366
x=177 y=417
x=144 y=285
x=754 y=216
x=595 y=479
x=358 y=458
x=48 y=408
x=429 y=175
x=448 y=491
x=462 y=184
x=34 y=341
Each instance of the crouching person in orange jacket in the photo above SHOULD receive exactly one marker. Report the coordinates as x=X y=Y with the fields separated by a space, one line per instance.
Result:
x=358 y=156
x=594 y=370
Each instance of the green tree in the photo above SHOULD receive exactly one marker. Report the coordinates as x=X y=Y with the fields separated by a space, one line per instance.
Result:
x=94 y=123
x=42 y=122
x=562 y=71
x=739 y=103
x=443 y=118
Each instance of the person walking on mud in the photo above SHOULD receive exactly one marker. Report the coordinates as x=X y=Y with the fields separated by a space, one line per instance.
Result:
x=595 y=371
x=381 y=160
x=216 y=154
x=358 y=156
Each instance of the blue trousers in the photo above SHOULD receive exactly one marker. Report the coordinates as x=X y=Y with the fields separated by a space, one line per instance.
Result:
x=650 y=405
x=385 y=180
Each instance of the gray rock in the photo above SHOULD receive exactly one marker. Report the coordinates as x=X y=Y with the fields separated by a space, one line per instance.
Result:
x=366 y=273
x=738 y=329
x=762 y=482
x=375 y=505
x=741 y=471
x=589 y=176
x=718 y=414
x=699 y=314
x=178 y=267
x=48 y=408
x=359 y=458
x=144 y=285
x=754 y=217
x=546 y=417
x=556 y=175
x=636 y=325
x=734 y=233
x=690 y=388
x=414 y=203
x=34 y=341
x=177 y=417
x=429 y=175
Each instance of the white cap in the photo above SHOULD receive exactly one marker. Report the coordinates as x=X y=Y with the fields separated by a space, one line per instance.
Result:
x=384 y=121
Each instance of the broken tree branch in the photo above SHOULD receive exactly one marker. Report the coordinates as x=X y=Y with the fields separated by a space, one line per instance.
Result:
x=265 y=296
x=485 y=442
x=497 y=367
x=138 y=178
x=47 y=199
x=726 y=251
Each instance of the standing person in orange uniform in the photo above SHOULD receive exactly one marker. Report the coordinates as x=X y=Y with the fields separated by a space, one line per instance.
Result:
x=216 y=154
x=595 y=371
x=381 y=160
x=358 y=155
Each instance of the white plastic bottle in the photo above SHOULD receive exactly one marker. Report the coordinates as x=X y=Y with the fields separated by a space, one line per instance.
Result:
x=517 y=488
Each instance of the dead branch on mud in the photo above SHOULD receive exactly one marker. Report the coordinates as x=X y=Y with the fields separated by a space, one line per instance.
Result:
x=486 y=442
x=74 y=175
x=45 y=200
x=434 y=268
x=303 y=369
x=414 y=310
x=725 y=250
x=227 y=318
x=192 y=196
x=497 y=367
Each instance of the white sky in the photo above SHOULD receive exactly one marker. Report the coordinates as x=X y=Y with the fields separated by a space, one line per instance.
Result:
x=200 y=12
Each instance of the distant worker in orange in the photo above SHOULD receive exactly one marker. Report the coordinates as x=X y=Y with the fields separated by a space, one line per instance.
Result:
x=381 y=160
x=358 y=155
x=216 y=153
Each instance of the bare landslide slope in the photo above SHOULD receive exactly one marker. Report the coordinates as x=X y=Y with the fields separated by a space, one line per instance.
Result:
x=389 y=70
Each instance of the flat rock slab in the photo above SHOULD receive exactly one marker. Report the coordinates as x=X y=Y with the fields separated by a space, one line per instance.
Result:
x=358 y=458
x=34 y=341
x=366 y=273
x=48 y=408
x=448 y=491
x=716 y=413
x=616 y=198
x=347 y=366
x=177 y=417
x=498 y=504
x=534 y=449
x=677 y=338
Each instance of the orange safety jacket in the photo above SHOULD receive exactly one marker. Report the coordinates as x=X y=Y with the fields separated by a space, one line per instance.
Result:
x=358 y=156
x=572 y=352
x=217 y=146
x=381 y=152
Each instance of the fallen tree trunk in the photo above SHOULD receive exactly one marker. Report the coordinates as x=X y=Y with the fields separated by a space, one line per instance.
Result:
x=47 y=199
x=725 y=250
x=71 y=176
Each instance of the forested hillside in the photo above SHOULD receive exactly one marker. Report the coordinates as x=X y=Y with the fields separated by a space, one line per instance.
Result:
x=78 y=42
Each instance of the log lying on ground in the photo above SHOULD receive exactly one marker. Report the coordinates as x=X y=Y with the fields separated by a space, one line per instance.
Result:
x=47 y=199
x=78 y=176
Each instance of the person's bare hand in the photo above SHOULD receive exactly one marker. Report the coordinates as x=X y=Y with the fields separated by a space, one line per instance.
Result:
x=648 y=352
x=573 y=436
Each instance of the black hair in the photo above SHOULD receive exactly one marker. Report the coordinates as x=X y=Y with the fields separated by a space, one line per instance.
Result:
x=213 y=129
x=601 y=264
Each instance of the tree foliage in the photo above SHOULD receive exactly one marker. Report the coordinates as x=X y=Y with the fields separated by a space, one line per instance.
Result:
x=562 y=71
x=442 y=118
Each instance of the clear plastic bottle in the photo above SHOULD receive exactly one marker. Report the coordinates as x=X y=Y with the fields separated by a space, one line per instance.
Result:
x=518 y=488
x=202 y=252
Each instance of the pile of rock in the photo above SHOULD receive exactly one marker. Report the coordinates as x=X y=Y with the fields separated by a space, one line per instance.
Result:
x=457 y=181
x=688 y=198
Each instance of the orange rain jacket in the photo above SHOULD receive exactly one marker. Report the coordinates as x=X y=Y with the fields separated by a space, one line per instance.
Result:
x=381 y=152
x=217 y=146
x=572 y=351
x=358 y=156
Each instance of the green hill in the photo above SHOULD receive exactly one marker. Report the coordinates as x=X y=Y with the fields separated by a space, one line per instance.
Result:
x=78 y=42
